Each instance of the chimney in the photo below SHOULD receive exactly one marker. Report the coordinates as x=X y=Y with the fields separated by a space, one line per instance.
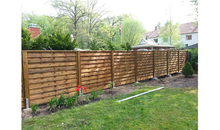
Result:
x=155 y=27
x=35 y=31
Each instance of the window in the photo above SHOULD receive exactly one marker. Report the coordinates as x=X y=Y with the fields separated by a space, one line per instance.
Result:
x=188 y=37
x=156 y=40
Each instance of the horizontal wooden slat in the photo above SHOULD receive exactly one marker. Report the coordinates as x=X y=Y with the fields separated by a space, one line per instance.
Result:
x=95 y=54
x=47 y=84
x=95 y=62
x=96 y=80
x=124 y=82
x=49 y=79
x=95 y=58
x=41 y=70
x=56 y=54
x=95 y=65
x=52 y=88
x=125 y=75
x=95 y=77
x=51 y=74
x=95 y=69
x=44 y=60
x=51 y=64
x=95 y=73
x=124 y=72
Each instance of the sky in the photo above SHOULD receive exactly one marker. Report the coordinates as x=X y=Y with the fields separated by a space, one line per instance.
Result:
x=149 y=12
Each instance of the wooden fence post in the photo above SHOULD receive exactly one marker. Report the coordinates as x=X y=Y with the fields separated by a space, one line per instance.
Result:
x=154 y=63
x=178 y=61
x=113 y=69
x=167 y=62
x=187 y=56
x=26 y=78
x=136 y=74
x=78 y=68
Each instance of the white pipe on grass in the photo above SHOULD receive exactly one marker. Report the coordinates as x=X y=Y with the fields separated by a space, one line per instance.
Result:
x=140 y=94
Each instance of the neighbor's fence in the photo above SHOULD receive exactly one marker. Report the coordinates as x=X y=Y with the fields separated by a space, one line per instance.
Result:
x=46 y=74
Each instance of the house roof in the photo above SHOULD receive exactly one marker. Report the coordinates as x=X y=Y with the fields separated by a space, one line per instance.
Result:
x=184 y=28
x=192 y=46
x=149 y=44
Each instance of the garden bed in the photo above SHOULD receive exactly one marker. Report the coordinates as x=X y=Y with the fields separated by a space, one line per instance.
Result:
x=176 y=80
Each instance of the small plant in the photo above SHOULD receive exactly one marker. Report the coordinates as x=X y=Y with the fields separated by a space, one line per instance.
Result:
x=187 y=69
x=87 y=98
x=70 y=101
x=100 y=91
x=51 y=103
x=94 y=94
x=76 y=97
x=60 y=101
x=34 y=107
x=110 y=85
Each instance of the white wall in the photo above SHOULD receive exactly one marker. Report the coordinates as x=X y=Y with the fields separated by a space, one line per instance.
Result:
x=194 y=39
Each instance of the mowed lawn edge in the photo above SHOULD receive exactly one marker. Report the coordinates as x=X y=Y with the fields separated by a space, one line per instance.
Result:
x=168 y=108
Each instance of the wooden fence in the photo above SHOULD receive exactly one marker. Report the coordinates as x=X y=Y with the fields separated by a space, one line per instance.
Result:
x=46 y=74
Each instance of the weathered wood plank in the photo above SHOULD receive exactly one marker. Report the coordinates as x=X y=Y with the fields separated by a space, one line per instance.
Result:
x=58 y=54
x=50 y=79
x=44 y=70
x=57 y=64
x=51 y=74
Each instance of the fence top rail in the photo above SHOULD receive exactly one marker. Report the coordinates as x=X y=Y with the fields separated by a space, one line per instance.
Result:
x=94 y=51
x=50 y=50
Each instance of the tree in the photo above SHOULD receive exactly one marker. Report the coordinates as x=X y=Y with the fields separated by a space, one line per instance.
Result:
x=132 y=31
x=170 y=31
x=187 y=69
x=74 y=9
x=93 y=16
x=61 y=41
x=195 y=6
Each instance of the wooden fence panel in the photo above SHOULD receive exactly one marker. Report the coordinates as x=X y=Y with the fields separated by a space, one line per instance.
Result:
x=96 y=69
x=144 y=65
x=50 y=74
x=173 y=62
x=183 y=59
x=23 y=102
x=160 y=63
x=124 y=64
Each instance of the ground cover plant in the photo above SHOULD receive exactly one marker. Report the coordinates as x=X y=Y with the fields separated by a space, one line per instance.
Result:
x=168 y=108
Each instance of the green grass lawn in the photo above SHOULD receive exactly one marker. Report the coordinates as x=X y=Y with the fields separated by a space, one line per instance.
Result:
x=168 y=108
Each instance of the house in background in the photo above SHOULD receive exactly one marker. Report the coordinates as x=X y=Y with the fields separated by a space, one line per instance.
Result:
x=150 y=45
x=35 y=31
x=188 y=34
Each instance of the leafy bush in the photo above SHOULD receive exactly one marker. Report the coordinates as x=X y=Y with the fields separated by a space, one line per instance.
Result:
x=110 y=45
x=94 y=45
x=25 y=39
x=34 y=107
x=39 y=43
x=193 y=58
x=61 y=41
x=126 y=46
x=187 y=69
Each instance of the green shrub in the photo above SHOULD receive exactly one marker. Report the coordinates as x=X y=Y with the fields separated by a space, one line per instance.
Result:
x=126 y=46
x=94 y=45
x=187 y=69
x=100 y=91
x=25 y=39
x=193 y=58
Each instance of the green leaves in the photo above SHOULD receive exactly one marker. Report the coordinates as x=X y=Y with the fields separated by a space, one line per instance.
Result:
x=94 y=45
x=25 y=39
x=51 y=103
x=34 y=107
x=187 y=69
x=94 y=94
x=126 y=46
x=61 y=41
